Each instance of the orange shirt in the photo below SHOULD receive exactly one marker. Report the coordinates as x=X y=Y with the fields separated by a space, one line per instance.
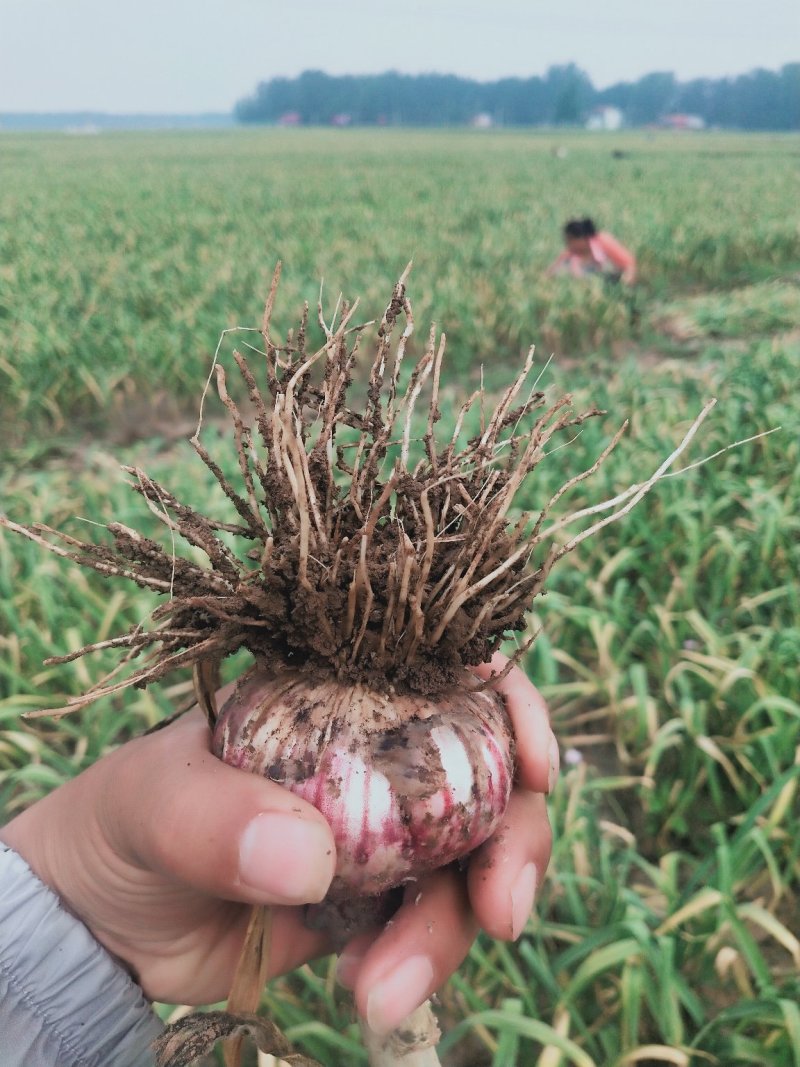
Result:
x=606 y=250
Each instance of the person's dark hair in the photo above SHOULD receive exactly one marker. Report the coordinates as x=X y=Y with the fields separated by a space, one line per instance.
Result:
x=580 y=228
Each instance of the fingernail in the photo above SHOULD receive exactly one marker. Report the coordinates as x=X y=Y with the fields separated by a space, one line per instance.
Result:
x=287 y=860
x=553 y=757
x=522 y=896
x=347 y=968
x=402 y=990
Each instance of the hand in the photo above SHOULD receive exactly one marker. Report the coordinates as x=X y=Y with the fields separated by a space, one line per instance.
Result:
x=394 y=970
x=628 y=276
x=159 y=848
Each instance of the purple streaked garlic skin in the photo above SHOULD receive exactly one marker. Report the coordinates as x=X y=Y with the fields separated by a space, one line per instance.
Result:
x=407 y=783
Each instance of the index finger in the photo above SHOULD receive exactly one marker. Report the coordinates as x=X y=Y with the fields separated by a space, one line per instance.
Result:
x=537 y=748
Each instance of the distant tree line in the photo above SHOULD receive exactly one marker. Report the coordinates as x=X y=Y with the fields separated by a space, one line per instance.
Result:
x=760 y=100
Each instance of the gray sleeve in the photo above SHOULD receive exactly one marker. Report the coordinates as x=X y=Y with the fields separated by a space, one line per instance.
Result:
x=64 y=1002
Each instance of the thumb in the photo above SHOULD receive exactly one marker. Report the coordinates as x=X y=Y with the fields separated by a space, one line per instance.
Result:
x=175 y=809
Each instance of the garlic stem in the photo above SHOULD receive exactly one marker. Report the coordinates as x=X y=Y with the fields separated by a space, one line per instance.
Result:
x=250 y=977
x=412 y=1044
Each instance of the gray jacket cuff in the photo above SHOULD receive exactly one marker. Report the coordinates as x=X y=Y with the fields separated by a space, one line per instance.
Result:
x=64 y=1002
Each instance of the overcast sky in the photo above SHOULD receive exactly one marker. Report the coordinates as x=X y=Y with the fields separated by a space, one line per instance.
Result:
x=203 y=55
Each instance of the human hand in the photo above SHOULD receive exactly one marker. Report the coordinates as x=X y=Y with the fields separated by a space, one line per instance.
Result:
x=160 y=849
x=628 y=276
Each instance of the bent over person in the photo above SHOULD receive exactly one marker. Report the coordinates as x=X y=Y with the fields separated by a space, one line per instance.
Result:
x=589 y=251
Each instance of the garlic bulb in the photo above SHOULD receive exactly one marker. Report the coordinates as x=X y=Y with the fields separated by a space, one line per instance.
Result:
x=406 y=783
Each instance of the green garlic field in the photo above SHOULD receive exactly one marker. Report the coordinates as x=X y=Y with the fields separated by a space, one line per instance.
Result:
x=667 y=929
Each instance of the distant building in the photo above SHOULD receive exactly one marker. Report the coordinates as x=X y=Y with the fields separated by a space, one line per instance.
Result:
x=290 y=118
x=605 y=117
x=682 y=122
x=482 y=121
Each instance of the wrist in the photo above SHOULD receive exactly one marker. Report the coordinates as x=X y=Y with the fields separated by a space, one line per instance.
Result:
x=62 y=843
x=62 y=998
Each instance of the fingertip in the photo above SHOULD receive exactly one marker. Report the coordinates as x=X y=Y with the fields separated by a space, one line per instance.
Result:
x=490 y=897
x=505 y=873
x=286 y=859
x=512 y=904
x=426 y=940
x=399 y=993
